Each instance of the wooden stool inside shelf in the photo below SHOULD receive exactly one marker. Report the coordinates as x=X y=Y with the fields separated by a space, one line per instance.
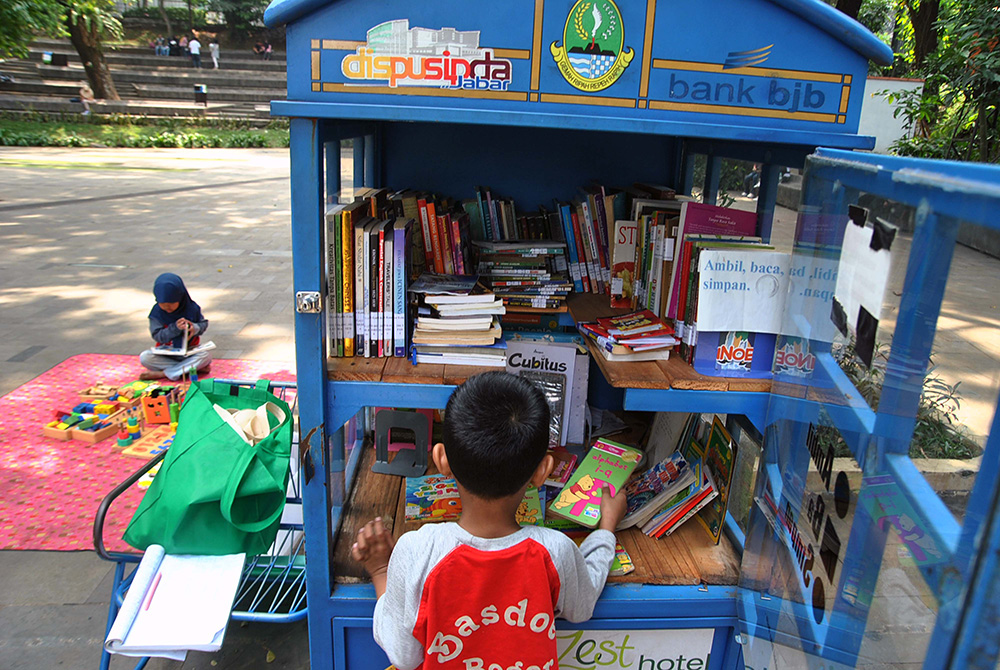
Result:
x=408 y=462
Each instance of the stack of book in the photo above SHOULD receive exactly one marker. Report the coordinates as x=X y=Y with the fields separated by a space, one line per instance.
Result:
x=638 y=336
x=525 y=274
x=457 y=322
x=683 y=505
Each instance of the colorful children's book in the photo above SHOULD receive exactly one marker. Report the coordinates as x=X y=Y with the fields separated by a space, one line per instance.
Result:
x=432 y=498
x=530 y=510
x=565 y=463
x=607 y=463
x=623 y=263
x=650 y=491
x=719 y=460
x=622 y=565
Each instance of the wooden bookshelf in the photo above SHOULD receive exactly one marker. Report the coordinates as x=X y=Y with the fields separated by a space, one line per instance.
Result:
x=672 y=373
x=669 y=374
x=686 y=557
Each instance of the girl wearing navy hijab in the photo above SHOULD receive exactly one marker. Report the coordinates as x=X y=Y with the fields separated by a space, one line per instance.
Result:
x=174 y=314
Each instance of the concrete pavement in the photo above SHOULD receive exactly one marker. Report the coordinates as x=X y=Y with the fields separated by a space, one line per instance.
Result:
x=83 y=233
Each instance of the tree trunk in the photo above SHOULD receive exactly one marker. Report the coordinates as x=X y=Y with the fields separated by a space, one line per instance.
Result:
x=88 y=45
x=923 y=18
x=166 y=19
x=190 y=15
x=849 y=7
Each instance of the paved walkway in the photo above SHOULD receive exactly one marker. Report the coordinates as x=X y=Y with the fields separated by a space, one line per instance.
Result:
x=83 y=233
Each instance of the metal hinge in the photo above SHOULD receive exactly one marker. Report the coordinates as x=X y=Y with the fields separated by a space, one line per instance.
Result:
x=308 y=302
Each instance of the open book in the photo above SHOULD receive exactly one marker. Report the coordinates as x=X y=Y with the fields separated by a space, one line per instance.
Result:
x=176 y=603
x=183 y=351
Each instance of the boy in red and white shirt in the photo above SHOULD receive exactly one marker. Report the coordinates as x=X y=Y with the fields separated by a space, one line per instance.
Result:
x=483 y=593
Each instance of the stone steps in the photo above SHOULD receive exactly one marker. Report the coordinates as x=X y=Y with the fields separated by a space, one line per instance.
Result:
x=149 y=85
x=118 y=60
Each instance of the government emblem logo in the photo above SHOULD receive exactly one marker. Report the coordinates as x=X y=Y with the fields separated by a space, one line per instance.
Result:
x=593 y=54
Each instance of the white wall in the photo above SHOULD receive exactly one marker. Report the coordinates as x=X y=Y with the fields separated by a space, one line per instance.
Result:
x=876 y=112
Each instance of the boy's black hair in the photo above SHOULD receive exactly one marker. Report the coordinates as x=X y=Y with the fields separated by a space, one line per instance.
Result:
x=496 y=432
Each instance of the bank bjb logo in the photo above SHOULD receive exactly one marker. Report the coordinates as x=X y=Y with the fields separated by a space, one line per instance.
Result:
x=735 y=352
x=792 y=357
x=593 y=53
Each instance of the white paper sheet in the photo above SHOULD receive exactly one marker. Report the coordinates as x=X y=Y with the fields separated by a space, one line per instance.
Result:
x=742 y=290
x=176 y=603
x=862 y=275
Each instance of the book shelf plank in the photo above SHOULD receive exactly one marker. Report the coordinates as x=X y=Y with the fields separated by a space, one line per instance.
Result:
x=456 y=374
x=685 y=557
x=402 y=371
x=750 y=385
x=683 y=376
x=373 y=495
x=355 y=369
x=641 y=375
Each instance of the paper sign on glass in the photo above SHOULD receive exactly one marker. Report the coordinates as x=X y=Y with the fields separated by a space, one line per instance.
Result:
x=741 y=290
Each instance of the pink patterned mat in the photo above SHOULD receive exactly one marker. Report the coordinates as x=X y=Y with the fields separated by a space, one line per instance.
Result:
x=50 y=490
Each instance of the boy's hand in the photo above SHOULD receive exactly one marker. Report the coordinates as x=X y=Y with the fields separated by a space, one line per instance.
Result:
x=612 y=509
x=372 y=550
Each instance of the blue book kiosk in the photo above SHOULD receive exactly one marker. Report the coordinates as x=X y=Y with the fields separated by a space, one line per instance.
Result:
x=851 y=562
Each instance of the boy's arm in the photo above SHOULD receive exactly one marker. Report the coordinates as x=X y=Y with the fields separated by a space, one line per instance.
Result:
x=396 y=610
x=582 y=587
x=583 y=574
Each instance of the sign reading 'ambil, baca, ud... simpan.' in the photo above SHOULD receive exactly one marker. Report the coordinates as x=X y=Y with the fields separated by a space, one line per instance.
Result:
x=648 y=59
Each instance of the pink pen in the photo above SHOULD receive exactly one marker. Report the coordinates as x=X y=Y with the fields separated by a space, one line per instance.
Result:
x=152 y=591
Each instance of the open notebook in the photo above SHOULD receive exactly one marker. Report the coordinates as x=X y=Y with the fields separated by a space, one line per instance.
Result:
x=176 y=603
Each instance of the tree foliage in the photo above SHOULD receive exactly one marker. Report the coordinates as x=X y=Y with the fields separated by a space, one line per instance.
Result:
x=21 y=20
x=954 y=45
x=244 y=17
x=86 y=22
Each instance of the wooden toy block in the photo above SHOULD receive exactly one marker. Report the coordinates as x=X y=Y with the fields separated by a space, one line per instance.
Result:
x=99 y=391
x=56 y=433
x=94 y=436
x=156 y=409
x=155 y=441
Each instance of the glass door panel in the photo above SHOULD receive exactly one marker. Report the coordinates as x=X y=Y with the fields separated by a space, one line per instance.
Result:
x=861 y=537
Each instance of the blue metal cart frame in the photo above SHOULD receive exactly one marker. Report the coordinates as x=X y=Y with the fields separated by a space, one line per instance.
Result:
x=272 y=588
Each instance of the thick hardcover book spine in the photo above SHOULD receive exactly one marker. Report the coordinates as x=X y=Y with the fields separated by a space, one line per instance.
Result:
x=580 y=250
x=593 y=269
x=432 y=220
x=399 y=246
x=456 y=245
x=380 y=297
x=492 y=216
x=332 y=263
x=425 y=227
x=347 y=280
x=387 y=300
x=338 y=317
x=484 y=214
x=444 y=237
x=574 y=261
x=374 y=327
x=361 y=313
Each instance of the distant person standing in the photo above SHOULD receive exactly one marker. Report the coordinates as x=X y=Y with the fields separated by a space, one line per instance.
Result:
x=213 y=48
x=267 y=50
x=174 y=48
x=184 y=45
x=194 y=46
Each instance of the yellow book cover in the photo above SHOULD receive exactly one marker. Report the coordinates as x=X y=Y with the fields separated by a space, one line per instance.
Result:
x=351 y=215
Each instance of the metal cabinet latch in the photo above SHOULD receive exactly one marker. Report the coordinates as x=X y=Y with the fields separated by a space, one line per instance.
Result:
x=308 y=302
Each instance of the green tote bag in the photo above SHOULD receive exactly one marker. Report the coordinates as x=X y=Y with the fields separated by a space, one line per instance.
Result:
x=214 y=493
